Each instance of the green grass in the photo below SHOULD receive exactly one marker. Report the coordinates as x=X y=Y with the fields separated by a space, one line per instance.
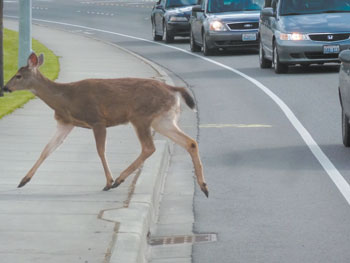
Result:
x=50 y=69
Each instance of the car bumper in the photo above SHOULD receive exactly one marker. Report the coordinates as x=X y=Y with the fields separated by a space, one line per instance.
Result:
x=308 y=51
x=230 y=39
x=179 y=28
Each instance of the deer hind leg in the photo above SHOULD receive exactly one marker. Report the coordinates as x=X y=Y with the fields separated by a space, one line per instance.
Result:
x=144 y=134
x=166 y=125
x=100 y=133
x=62 y=131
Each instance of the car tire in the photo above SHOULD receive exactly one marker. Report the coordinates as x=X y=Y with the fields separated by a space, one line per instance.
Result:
x=345 y=129
x=279 y=67
x=206 y=50
x=193 y=45
x=166 y=35
x=264 y=63
x=154 y=34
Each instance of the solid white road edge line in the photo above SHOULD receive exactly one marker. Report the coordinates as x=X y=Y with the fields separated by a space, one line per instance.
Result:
x=327 y=165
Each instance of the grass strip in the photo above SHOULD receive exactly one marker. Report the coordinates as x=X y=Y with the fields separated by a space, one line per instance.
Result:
x=11 y=101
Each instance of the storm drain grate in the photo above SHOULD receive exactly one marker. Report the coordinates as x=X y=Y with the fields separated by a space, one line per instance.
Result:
x=187 y=239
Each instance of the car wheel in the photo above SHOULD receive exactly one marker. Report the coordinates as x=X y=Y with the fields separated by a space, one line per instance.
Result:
x=154 y=34
x=166 y=35
x=279 y=67
x=193 y=45
x=345 y=129
x=264 y=63
x=206 y=50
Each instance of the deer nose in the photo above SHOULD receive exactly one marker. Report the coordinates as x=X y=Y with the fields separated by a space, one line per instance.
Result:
x=6 y=89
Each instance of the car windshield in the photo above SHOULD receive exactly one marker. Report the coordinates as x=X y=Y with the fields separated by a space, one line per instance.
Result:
x=219 y=6
x=300 y=7
x=178 y=3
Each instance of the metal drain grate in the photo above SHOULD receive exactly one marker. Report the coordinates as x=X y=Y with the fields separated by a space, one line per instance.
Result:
x=173 y=240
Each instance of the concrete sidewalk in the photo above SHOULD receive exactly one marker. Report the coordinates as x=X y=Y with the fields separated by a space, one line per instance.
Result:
x=63 y=215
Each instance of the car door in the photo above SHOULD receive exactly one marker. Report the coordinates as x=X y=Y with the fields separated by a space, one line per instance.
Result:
x=158 y=15
x=267 y=28
x=197 y=22
x=344 y=82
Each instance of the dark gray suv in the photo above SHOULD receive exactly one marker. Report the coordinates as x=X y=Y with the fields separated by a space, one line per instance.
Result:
x=344 y=95
x=303 y=32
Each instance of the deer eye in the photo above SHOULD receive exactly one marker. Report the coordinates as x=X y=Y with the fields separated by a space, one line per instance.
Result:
x=18 y=76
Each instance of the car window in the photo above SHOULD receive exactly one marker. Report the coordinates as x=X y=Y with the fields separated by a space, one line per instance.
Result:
x=178 y=3
x=299 y=7
x=219 y=6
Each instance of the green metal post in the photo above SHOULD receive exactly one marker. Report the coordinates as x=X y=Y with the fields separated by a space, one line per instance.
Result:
x=1 y=49
x=25 y=31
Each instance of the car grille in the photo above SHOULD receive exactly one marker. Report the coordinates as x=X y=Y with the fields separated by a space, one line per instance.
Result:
x=320 y=55
x=243 y=26
x=329 y=37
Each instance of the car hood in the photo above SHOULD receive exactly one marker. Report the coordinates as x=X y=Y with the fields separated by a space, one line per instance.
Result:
x=183 y=10
x=315 y=23
x=236 y=16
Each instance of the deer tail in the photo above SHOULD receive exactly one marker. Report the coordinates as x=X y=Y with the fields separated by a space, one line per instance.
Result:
x=185 y=95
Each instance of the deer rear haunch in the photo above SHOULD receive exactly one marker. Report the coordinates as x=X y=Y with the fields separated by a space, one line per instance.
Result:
x=101 y=103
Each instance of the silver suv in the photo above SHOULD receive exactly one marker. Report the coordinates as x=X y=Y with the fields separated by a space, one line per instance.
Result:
x=303 y=32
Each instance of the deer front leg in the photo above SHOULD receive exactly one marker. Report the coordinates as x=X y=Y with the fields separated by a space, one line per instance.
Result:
x=145 y=137
x=100 y=133
x=63 y=129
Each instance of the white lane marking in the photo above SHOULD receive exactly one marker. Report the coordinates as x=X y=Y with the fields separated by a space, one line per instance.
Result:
x=327 y=165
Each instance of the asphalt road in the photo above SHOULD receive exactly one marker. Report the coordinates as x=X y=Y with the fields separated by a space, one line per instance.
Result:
x=270 y=198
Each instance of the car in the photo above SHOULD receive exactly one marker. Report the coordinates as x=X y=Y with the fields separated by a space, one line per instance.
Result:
x=170 y=18
x=303 y=32
x=225 y=24
x=344 y=95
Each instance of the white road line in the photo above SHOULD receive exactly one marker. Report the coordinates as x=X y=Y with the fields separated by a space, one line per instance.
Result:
x=327 y=165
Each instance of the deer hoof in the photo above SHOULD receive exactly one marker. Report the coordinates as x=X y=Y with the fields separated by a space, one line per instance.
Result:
x=116 y=184
x=107 y=187
x=205 y=189
x=23 y=182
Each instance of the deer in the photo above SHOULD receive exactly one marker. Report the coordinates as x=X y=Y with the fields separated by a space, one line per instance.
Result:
x=97 y=104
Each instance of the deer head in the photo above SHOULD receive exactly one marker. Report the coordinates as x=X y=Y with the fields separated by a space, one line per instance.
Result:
x=26 y=77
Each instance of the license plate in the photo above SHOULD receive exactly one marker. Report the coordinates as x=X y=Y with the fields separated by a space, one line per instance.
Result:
x=249 y=37
x=331 y=49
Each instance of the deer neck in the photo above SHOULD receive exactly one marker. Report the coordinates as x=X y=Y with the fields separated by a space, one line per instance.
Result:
x=52 y=93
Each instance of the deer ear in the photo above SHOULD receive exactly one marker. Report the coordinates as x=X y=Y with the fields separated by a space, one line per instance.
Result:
x=32 y=60
x=40 y=60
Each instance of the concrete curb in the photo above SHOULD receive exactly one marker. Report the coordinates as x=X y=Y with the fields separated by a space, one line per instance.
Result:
x=136 y=219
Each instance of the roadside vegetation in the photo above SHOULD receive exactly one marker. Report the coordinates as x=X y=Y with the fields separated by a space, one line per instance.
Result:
x=11 y=101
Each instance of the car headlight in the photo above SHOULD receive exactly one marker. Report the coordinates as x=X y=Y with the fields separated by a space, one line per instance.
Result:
x=217 y=25
x=178 y=19
x=294 y=36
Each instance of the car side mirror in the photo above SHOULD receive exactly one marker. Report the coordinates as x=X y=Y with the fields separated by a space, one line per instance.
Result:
x=268 y=11
x=344 y=56
x=197 y=8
